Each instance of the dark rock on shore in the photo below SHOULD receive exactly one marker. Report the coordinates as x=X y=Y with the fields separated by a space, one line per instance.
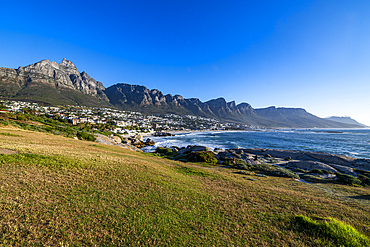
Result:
x=149 y=142
x=163 y=134
x=193 y=148
x=310 y=165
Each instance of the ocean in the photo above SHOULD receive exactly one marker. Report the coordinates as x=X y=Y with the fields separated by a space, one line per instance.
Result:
x=350 y=142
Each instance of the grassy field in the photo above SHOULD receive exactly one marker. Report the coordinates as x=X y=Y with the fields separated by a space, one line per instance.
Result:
x=57 y=191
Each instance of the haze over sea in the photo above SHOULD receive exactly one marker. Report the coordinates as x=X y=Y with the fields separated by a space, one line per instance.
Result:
x=350 y=142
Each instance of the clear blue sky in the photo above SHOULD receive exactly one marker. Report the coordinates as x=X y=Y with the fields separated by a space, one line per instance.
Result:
x=310 y=54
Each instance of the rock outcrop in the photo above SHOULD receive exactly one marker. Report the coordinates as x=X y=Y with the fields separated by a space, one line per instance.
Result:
x=63 y=75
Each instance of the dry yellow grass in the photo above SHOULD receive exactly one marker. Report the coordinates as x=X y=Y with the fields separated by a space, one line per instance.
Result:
x=59 y=191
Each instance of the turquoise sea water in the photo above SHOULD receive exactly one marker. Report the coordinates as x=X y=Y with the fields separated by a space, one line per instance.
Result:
x=351 y=142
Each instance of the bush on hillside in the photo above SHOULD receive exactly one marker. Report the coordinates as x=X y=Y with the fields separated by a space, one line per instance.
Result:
x=85 y=136
x=239 y=164
x=203 y=156
x=166 y=151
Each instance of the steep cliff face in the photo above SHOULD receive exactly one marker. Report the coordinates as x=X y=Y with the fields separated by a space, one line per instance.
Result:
x=61 y=76
x=123 y=95
x=129 y=94
x=245 y=109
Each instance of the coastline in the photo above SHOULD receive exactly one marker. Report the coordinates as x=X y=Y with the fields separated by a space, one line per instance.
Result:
x=349 y=142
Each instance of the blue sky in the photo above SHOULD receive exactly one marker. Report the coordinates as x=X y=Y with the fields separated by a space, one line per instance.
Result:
x=310 y=54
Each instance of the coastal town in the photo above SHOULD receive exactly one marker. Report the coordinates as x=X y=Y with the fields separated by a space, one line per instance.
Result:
x=123 y=122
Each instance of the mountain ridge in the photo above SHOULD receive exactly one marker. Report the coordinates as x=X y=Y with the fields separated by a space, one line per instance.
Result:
x=346 y=120
x=53 y=83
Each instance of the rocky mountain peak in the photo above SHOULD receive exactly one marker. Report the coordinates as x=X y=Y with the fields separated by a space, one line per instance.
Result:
x=245 y=109
x=232 y=106
x=68 y=66
x=62 y=75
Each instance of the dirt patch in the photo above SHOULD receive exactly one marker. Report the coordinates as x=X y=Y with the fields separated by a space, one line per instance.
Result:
x=7 y=151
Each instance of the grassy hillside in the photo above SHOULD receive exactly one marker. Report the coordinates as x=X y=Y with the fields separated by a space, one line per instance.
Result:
x=60 y=191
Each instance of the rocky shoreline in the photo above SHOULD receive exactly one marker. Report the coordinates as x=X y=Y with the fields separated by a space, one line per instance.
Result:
x=303 y=165
x=133 y=143
x=309 y=166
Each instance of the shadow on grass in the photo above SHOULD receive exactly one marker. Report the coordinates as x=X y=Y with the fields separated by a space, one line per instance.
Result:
x=362 y=197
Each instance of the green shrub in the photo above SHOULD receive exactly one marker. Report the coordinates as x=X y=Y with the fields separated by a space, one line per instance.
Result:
x=85 y=136
x=330 y=231
x=347 y=179
x=208 y=157
x=166 y=151
x=203 y=156
x=317 y=171
x=4 y=123
x=298 y=170
x=239 y=164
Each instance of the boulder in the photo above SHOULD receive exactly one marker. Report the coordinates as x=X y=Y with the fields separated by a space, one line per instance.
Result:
x=126 y=140
x=138 y=137
x=277 y=153
x=344 y=169
x=163 y=134
x=310 y=165
x=149 y=142
x=363 y=164
x=331 y=158
x=116 y=139
x=128 y=146
x=138 y=144
x=193 y=148
x=225 y=155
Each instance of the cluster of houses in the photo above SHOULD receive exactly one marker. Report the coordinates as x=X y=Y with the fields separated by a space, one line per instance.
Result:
x=123 y=121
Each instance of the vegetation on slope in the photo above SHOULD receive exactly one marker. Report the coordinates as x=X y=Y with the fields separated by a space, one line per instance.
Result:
x=60 y=191
x=57 y=126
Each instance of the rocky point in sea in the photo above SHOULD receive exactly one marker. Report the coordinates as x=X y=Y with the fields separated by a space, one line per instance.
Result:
x=309 y=166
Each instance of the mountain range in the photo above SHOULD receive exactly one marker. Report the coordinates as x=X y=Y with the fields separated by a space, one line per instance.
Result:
x=346 y=120
x=51 y=83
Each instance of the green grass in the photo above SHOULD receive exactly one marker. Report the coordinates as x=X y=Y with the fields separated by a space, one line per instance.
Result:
x=42 y=160
x=60 y=191
x=193 y=172
x=330 y=232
